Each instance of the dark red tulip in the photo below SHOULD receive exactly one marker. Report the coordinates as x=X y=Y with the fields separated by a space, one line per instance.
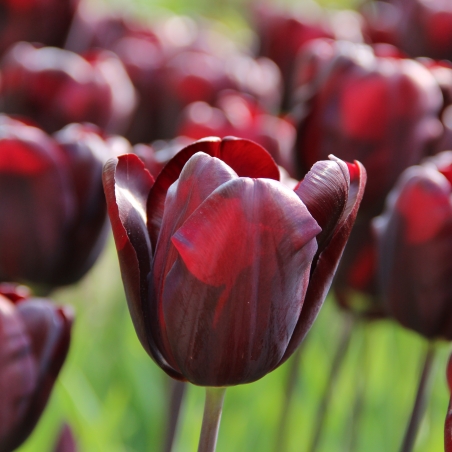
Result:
x=414 y=247
x=382 y=111
x=224 y=268
x=34 y=341
x=56 y=87
x=47 y=21
x=239 y=115
x=282 y=34
x=53 y=218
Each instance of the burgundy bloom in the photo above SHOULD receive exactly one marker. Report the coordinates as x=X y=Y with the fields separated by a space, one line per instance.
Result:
x=224 y=268
x=239 y=115
x=47 y=21
x=414 y=248
x=53 y=218
x=382 y=111
x=34 y=341
x=56 y=87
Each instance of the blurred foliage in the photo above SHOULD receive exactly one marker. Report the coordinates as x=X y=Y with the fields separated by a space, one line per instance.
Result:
x=115 y=397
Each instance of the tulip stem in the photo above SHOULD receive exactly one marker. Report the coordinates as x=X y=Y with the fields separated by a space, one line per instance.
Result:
x=338 y=359
x=177 y=392
x=291 y=384
x=420 y=400
x=211 y=419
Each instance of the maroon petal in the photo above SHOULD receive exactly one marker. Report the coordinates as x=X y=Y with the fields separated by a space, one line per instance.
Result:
x=232 y=299
x=65 y=441
x=18 y=376
x=127 y=184
x=328 y=259
x=200 y=176
x=245 y=157
x=49 y=328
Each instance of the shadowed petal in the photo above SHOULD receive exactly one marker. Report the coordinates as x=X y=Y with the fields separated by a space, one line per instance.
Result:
x=200 y=176
x=127 y=184
x=327 y=261
x=233 y=297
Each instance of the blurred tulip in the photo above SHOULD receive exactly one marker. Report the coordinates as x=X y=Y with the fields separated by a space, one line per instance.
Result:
x=240 y=115
x=53 y=218
x=56 y=87
x=414 y=246
x=382 y=111
x=224 y=268
x=65 y=440
x=47 y=21
x=34 y=341
x=282 y=34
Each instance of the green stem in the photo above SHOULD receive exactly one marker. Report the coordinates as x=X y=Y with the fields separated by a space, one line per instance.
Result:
x=291 y=384
x=338 y=360
x=211 y=419
x=177 y=391
x=420 y=401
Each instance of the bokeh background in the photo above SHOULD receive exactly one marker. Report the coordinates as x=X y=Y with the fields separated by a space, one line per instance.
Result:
x=115 y=398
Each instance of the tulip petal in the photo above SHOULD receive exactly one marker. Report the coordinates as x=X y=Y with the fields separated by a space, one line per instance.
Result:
x=324 y=191
x=18 y=375
x=200 y=176
x=233 y=296
x=49 y=330
x=127 y=184
x=245 y=157
x=328 y=259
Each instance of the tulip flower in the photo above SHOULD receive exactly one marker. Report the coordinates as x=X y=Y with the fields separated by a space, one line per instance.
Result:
x=414 y=242
x=355 y=104
x=57 y=87
x=34 y=341
x=47 y=22
x=53 y=221
x=224 y=268
x=65 y=440
x=240 y=115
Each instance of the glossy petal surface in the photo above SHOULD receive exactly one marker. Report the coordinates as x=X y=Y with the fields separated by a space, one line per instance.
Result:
x=239 y=303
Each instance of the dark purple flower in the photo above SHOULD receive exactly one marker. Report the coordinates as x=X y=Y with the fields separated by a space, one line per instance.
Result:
x=56 y=87
x=224 y=268
x=53 y=221
x=382 y=111
x=34 y=341
x=414 y=247
x=47 y=21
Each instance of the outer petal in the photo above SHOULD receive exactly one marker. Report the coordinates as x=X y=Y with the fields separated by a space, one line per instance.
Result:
x=127 y=184
x=48 y=328
x=200 y=176
x=245 y=157
x=328 y=258
x=232 y=299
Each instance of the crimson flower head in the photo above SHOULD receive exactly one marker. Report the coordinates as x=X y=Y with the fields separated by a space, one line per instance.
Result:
x=53 y=221
x=34 y=341
x=47 y=21
x=356 y=104
x=224 y=268
x=56 y=87
x=414 y=248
